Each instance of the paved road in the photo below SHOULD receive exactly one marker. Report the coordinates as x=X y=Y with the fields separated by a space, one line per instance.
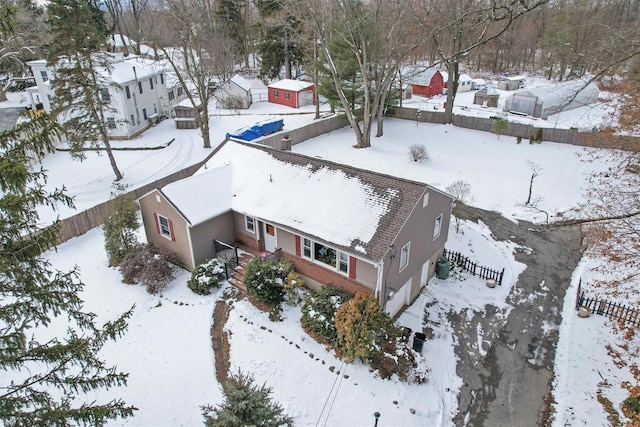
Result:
x=509 y=383
x=8 y=117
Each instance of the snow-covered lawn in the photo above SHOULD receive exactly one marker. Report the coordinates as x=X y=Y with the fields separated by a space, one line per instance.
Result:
x=168 y=347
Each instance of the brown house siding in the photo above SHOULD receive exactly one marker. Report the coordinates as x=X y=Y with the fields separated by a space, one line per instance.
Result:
x=243 y=236
x=419 y=230
x=202 y=236
x=149 y=206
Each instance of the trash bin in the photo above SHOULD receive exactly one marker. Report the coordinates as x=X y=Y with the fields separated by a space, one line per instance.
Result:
x=418 y=341
x=442 y=268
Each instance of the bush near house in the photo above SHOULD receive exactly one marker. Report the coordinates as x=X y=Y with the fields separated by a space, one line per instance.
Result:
x=149 y=265
x=265 y=279
x=206 y=276
x=319 y=310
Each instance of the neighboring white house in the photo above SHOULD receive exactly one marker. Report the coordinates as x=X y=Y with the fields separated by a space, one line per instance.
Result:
x=123 y=44
x=137 y=91
x=464 y=83
x=234 y=93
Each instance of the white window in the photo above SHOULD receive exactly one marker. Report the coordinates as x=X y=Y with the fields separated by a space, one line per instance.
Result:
x=111 y=123
x=164 y=226
x=128 y=92
x=306 y=248
x=425 y=200
x=287 y=95
x=45 y=76
x=276 y=93
x=171 y=95
x=343 y=262
x=249 y=224
x=437 y=226
x=404 y=255
x=104 y=95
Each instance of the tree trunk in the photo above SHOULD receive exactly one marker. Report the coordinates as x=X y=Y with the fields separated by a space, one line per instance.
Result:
x=112 y=159
x=203 y=117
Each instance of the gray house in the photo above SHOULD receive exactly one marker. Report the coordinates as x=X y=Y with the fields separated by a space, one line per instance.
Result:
x=360 y=230
x=547 y=100
x=235 y=93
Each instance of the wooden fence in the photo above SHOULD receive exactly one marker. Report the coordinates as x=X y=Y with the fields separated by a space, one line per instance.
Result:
x=563 y=136
x=477 y=270
x=607 y=308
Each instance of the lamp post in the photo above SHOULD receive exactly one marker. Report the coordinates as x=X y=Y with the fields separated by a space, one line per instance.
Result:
x=376 y=415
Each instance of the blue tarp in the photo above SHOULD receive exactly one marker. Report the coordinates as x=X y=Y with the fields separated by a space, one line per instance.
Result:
x=258 y=130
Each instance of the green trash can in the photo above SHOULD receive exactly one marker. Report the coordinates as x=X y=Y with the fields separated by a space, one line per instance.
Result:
x=442 y=268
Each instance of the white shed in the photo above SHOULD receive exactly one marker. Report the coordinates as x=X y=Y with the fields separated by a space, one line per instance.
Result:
x=464 y=82
x=547 y=100
x=235 y=93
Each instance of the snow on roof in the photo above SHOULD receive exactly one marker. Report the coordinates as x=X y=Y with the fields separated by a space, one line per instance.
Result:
x=424 y=78
x=123 y=71
x=479 y=81
x=489 y=90
x=242 y=82
x=116 y=41
x=355 y=209
x=515 y=78
x=210 y=200
x=288 y=84
x=464 y=78
x=576 y=91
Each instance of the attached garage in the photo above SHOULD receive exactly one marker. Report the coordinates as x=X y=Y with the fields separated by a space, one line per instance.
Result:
x=545 y=101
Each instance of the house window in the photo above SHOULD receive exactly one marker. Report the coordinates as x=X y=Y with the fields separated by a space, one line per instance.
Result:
x=45 y=76
x=151 y=83
x=155 y=108
x=249 y=224
x=133 y=120
x=425 y=200
x=404 y=255
x=343 y=262
x=276 y=93
x=140 y=87
x=164 y=227
x=104 y=95
x=324 y=254
x=161 y=79
x=306 y=248
x=144 y=113
x=437 y=226
x=287 y=95
x=180 y=91
x=171 y=95
x=111 y=123
x=127 y=91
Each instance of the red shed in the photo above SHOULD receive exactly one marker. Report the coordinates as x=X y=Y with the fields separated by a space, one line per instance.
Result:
x=428 y=83
x=292 y=93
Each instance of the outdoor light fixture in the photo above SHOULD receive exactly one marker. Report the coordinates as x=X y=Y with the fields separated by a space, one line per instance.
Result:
x=376 y=415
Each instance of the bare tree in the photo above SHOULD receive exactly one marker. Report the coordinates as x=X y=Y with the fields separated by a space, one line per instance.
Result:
x=461 y=192
x=375 y=34
x=536 y=170
x=202 y=56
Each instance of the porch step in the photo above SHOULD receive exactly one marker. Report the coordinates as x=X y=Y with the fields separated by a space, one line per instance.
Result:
x=237 y=278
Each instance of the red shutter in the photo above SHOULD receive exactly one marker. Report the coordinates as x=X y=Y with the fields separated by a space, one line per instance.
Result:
x=173 y=236
x=352 y=267
x=298 y=245
x=155 y=218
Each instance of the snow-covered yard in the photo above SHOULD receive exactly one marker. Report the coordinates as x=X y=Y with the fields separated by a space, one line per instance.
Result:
x=167 y=349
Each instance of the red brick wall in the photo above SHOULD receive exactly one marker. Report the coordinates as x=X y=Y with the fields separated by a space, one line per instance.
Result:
x=247 y=241
x=323 y=275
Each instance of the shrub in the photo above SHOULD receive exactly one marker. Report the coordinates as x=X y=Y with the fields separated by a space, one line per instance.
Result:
x=319 y=310
x=206 y=276
x=500 y=126
x=418 y=153
x=532 y=139
x=149 y=265
x=120 y=226
x=292 y=284
x=518 y=139
x=265 y=278
x=631 y=408
x=539 y=135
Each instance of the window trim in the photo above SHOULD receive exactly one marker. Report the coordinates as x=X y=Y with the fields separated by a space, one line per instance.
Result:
x=403 y=262
x=45 y=75
x=276 y=93
x=250 y=220
x=140 y=87
x=334 y=268
x=165 y=231
x=127 y=91
x=437 y=227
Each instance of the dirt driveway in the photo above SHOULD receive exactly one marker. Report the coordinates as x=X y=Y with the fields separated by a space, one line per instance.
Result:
x=510 y=384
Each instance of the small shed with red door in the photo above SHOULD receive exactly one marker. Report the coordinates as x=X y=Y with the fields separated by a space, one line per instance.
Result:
x=428 y=83
x=292 y=93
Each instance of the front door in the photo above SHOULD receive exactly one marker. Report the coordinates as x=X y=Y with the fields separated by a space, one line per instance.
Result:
x=269 y=233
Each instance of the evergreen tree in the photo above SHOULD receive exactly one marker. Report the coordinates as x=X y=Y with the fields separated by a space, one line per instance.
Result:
x=80 y=102
x=230 y=16
x=120 y=226
x=44 y=379
x=246 y=404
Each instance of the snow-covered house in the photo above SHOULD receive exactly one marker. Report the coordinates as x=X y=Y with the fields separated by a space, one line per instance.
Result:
x=357 y=229
x=235 y=93
x=136 y=90
x=464 y=82
x=428 y=83
x=488 y=96
x=477 y=84
x=547 y=100
x=292 y=93
x=120 y=43
x=512 y=82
